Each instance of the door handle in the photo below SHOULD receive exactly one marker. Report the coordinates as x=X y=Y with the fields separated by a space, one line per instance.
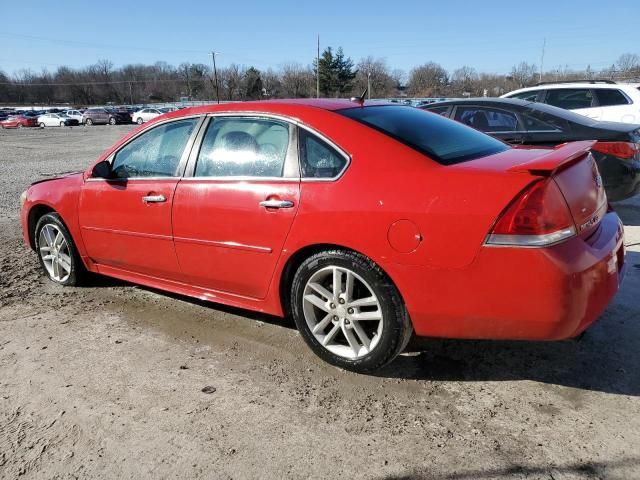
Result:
x=273 y=203
x=154 y=199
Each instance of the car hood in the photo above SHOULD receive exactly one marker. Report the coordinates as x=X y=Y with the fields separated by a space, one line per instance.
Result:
x=47 y=177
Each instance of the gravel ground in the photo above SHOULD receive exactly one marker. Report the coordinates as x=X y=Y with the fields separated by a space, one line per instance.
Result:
x=106 y=381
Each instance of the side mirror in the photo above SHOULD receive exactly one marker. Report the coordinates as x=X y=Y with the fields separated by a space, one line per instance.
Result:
x=101 y=170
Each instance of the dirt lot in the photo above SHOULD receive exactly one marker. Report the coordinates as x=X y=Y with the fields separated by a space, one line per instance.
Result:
x=106 y=381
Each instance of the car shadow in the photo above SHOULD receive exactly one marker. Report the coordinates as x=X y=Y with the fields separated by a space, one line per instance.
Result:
x=592 y=469
x=604 y=359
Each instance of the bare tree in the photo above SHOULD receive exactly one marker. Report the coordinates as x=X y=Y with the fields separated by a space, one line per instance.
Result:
x=428 y=80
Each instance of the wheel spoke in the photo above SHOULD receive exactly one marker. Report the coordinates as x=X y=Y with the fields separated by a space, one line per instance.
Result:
x=337 y=282
x=58 y=240
x=321 y=290
x=322 y=324
x=364 y=302
x=47 y=235
x=317 y=301
x=45 y=249
x=348 y=291
x=56 y=269
x=362 y=335
x=64 y=263
x=351 y=338
x=359 y=317
x=47 y=257
x=329 y=336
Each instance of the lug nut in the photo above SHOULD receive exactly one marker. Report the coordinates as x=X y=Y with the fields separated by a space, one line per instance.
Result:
x=335 y=317
x=341 y=301
x=350 y=310
x=333 y=305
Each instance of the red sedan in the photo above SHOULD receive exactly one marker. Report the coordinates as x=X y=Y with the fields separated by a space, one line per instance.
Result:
x=366 y=223
x=19 y=121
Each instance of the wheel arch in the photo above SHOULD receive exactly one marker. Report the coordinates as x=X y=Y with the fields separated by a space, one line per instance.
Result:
x=299 y=256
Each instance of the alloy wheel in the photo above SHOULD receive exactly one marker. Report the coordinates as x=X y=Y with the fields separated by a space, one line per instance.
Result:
x=342 y=312
x=55 y=253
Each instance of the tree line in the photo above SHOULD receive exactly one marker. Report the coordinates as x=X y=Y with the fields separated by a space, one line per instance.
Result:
x=339 y=76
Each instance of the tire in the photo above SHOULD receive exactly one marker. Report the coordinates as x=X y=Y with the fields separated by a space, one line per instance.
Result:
x=19 y=125
x=66 y=267
x=139 y=121
x=62 y=124
x=374 y=312
x=88 y=121
x=41 y=125
x=112 y=121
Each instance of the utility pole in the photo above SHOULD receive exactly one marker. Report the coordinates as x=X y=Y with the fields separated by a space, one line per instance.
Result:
x=130 y=95
x=215 y=73
x=544 y=44
x=318 y=69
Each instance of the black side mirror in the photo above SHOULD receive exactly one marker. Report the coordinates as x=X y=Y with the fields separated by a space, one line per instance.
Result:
x=101 y=170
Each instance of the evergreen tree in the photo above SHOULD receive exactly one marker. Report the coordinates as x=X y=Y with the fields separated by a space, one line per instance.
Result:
x=253 y=84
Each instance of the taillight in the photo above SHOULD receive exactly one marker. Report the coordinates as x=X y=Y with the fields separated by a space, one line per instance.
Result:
x=538 y=216
x=626 y=150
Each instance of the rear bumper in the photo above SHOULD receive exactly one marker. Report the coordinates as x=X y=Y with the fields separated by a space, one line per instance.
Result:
x=548 y=293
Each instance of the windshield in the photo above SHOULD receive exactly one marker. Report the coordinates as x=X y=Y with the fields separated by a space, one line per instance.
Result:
x=443 y=140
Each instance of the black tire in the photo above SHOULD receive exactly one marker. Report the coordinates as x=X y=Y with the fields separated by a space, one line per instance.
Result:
x=139 y=121
x=62 y=124
x=19 y=125
x=77 y=272
x=88 y=121
x=41 y=124
x=112 y=121
x=397 y=328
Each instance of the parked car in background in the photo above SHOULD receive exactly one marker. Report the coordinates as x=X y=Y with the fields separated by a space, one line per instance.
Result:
x=118 y=116
x=617 y=151
x=96 y=116
x=598 y=99
x=19 y=121
x=75 y=114
x=146 y=114
x=56 y=120
x=466 y=237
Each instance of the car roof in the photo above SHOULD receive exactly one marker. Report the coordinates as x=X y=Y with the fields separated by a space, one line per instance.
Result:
x=551 y=86
x=286 y=107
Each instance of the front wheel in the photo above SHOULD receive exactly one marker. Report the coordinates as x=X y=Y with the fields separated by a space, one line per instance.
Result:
x=112 y=121
x=140 y=121
x=56 y=251
x=88 y=121
x=41 y=125
x=62 y=124
x=348 y=311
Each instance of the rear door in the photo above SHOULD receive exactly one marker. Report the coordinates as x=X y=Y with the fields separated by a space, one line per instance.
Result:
x=233 y=210
x=126 y=220
x=581 y=100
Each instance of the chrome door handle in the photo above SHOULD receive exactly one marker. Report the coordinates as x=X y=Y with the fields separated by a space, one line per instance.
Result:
x=276 y=203
x=154 y=199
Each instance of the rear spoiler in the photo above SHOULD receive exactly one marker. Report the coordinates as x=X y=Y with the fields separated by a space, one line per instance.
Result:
x=560 y=157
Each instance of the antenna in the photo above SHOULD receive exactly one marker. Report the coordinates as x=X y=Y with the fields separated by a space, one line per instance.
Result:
x=361 y=98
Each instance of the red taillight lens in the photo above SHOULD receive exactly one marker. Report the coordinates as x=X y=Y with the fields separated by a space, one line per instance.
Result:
x=626 y=150
x=538 y=216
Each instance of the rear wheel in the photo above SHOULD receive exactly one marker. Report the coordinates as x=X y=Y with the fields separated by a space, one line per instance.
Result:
x=88 y=121
x=19 y=125
x=62 y=124
x=112 y=121
x=57 y=253
x=41 y=125
x=348 y=311
x=139 y=121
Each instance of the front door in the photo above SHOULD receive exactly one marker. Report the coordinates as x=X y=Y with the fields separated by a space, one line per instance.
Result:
x=232 y=214
x=126 y=220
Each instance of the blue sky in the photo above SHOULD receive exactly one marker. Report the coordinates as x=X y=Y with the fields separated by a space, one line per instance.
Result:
x=490 y=36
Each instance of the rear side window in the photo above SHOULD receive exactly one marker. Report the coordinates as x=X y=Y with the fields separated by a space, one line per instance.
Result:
x=243 y=147
x=443 y=140
x=608 y=97
x=317 y=158
x=530 y=96
x=438 y=110
x=487 y=119
x=570 y=98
